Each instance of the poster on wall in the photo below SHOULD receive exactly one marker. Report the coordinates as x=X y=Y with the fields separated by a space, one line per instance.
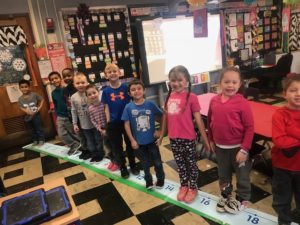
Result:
x=286 y=14
x=45 y=68
x=57 y=56
x=13 y=66
x=200 y=23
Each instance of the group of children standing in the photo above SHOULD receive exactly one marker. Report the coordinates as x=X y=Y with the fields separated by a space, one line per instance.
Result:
x=230 y=132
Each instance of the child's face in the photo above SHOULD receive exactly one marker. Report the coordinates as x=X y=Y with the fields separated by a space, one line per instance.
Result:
x=292 y=95
x=136 y=91
x=178 y=82
x=80 y=83
x=230 y=83
x=24 y=88
x=112 y=74
x=55 y=80
x=68 y=76
x=93 y=95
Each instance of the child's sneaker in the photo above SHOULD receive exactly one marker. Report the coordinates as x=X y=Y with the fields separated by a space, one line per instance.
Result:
x=149 y=185
x=35 y=143
x=221 y=204
x=135 y=170
x=110 y=165
x=182 y=193
x=74 y=148
x=234 y=206
x=124 y=172
x=41 y=143
x=191 y=195
x=114 y=167
x=160 y=184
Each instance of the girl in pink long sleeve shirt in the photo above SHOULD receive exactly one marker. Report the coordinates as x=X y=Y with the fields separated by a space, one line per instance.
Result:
x=231 y=130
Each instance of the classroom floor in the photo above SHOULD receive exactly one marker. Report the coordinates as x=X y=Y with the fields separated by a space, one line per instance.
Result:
x=101 y=200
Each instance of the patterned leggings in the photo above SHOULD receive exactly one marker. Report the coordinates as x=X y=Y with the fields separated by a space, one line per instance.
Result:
x=184 y=152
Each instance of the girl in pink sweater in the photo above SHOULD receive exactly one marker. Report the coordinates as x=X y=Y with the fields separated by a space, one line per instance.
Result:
x=231 y=130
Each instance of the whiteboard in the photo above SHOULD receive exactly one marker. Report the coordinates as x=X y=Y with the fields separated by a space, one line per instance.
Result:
x=168 y=42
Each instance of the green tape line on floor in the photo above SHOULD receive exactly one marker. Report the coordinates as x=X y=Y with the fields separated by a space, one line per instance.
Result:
x=204 y=202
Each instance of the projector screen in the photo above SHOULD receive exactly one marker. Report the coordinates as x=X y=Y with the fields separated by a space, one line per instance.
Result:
x=165 y=43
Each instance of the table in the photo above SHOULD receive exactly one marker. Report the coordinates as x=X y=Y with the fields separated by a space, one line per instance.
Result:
x=66 y=219
x=262 y=114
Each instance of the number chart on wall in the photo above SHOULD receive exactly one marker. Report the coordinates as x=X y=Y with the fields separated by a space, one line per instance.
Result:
x=103 y=37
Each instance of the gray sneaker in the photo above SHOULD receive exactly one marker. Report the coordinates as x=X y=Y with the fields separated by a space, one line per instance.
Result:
x=74 y=148
x=35 y=143
x=41 y=143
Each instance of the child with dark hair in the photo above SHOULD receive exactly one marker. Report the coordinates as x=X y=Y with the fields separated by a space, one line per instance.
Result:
x=64 y=126
x=69 y=90
x=231 y=130
x=31 y=103
x=139 y=116
x=180 y=108
x=286 y=152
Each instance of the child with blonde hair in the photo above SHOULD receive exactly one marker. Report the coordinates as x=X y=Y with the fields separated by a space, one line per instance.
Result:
x=79 y=104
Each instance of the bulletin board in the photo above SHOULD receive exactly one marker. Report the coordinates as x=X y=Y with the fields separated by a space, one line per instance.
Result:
x=104 y=37
x=251 y=32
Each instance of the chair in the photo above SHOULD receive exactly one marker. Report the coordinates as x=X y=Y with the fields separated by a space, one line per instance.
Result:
x=270 y=77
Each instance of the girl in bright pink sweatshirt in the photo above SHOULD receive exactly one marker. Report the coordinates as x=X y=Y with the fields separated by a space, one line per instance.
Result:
x=231 y=130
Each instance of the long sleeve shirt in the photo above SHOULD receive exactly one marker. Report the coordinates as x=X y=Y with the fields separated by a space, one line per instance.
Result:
x=97 y=115
x=286 y=139
x=79 y=110
x=231 y=122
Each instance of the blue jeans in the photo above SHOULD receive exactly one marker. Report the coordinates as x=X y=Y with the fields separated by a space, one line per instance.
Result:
x=285 y=184
x=94 y=142
x=149 y=154
x=36 y=128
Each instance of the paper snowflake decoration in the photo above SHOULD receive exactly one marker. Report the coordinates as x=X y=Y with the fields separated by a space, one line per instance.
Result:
x=19 y=64
x=5 y=56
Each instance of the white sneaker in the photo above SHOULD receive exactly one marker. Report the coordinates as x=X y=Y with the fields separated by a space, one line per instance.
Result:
x=221 y=204
x=234 y=206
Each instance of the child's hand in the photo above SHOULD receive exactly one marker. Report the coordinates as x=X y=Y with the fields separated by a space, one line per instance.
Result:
x=134 y=144
x=157 y=134
x=207 y=146
x=102 y=131
x=241 y=156
x=159 y=140
x=76 y=128
x=212 y=146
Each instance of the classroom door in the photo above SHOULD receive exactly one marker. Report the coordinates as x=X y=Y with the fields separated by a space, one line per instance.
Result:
x=12 y=127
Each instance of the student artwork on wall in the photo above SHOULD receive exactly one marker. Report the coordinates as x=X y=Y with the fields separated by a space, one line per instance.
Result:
x=13 y=66
x=104 y=37
x=250 y=31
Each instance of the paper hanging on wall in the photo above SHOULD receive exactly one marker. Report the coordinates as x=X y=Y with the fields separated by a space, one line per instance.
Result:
x=244 y=54
x=250 y=49
x=240 y=19
x=246 y=19
x=233 y=32
x=267 y=21
x=45 y=68
x=267 y=28
x=267 y=37
x=248 y=38
x=274 y=20
x=267 y=45
x=232 y=19
x=233 y=45
x=13 y=92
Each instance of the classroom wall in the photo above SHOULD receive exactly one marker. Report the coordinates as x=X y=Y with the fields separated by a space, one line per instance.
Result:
x=13 y=7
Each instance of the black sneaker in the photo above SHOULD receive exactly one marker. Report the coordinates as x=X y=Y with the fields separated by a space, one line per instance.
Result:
x=134 y=170
x=149 y=185
x=160 y=184
x=124 y=172
x=96 y=159
x=85 y=155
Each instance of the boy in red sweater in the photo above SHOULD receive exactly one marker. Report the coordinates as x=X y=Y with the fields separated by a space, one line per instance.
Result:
x=286 y=152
